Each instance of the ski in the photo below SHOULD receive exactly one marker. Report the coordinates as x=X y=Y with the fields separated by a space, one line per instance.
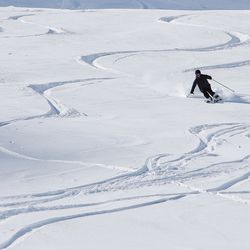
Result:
x=214 y=100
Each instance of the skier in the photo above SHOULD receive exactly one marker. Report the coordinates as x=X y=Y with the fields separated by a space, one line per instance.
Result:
x=204 y=86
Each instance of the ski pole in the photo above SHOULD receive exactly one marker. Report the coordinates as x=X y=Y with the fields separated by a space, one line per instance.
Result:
x=224 y=86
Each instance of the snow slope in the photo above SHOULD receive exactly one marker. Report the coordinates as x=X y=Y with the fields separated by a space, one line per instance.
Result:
x=99 y=146
x=132 y=4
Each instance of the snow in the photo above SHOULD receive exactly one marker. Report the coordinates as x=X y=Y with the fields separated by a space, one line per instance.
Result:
x=132 y=4
x=99 y=146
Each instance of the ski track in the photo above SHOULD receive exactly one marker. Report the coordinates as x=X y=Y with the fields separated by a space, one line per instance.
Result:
x=222 y=66
x=50 y=30
x=169 y=19
x=230 y=183
x=39 y=224
x=92 y=58
x=235 y=41
x=157 y=170
x=19 y=16
x=57 y=108
x=31 y=209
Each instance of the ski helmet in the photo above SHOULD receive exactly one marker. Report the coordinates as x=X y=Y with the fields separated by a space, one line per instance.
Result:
x=197 y=72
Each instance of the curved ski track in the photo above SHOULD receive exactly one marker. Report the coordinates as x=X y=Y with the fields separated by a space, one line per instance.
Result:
x=57 y=109
x=157 y=170
x=91 y=59
x=235 y=41
x=50 y=30
x=223 y=66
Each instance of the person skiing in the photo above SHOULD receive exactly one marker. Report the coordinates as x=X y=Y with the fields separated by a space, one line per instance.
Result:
x=204 y=86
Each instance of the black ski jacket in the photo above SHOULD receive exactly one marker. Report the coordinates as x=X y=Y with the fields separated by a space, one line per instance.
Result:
x=202 y=83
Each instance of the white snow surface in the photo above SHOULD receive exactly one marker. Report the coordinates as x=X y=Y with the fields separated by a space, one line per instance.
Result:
x=99 y=146
x=132 y=4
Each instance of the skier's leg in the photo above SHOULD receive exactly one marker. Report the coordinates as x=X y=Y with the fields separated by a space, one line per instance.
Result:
x=214 y=97
x=213 y=94
x=210 y=91
x=207 y=95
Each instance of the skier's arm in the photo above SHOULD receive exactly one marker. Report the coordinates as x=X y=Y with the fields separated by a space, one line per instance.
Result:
x=193 y=87
x=208 y=77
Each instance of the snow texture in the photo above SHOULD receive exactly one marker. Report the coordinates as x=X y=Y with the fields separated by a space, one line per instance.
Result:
x=100 y=146
x=132 y=4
